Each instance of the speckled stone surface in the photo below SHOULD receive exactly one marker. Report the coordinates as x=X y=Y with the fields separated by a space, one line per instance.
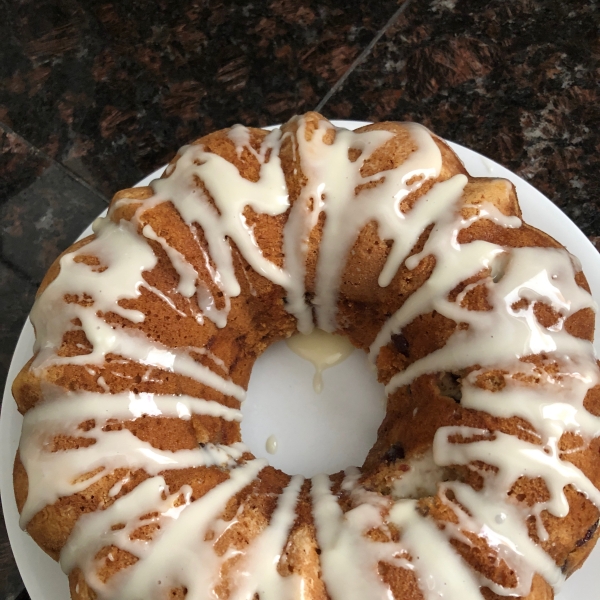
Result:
x=95 y=95
x=516 y=81
x=109 y=91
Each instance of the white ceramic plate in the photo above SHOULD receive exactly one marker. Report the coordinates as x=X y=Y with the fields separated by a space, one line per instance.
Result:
x=42 y=576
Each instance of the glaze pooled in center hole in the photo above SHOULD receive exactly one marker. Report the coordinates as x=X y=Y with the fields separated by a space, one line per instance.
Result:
x=322 y=349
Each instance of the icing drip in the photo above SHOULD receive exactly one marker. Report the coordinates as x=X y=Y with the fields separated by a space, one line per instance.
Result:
x=258 y=573
x=515 y=281
x=333 y=179
x=515 y=332
x=184 y=527
x=231 y=193
x=240 y=136
x=56 y=474
x=123 y=256
x=271 y=444
x=421 y=480
x=349 y=561
x=322 y=349
x=187 y=274
x=440 y=571
x=501 y=525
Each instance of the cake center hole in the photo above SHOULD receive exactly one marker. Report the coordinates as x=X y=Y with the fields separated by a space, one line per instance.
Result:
x=313 y=405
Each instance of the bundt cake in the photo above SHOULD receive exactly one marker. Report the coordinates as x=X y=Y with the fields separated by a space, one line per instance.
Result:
x=484 y=479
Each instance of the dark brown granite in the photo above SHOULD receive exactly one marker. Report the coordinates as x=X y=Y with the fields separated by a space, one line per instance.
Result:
x=10 y=581
x=516 y=81
x=43 y=208
x=45 y=217
x=111 y=89
x=16 y=298
x=95 y=95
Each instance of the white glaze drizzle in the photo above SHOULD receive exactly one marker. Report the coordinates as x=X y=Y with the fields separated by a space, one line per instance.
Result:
x=187 y=274
x=258 y=572
x=124 y=256
x=421 y=480
x=516 y=333
x=439 y=570
x=322 y=349
x=332 y=175
x=349 y=560
x=501 y=523
x=240 y=136
x=231 y=193
x=498 y=338
x=57 y=474
x=271 y=444
x=184 y=527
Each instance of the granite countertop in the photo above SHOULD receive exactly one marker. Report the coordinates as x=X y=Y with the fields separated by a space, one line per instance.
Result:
x=95 y=95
